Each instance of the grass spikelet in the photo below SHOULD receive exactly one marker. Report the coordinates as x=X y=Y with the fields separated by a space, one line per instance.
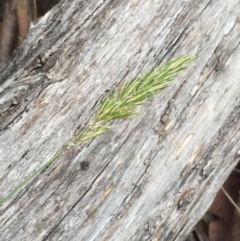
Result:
x=123 y=103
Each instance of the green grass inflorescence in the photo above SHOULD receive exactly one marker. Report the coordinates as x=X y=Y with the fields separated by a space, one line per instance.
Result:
x=121 y=103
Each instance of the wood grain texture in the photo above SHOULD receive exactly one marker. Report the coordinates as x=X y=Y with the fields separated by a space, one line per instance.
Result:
x=152 y=176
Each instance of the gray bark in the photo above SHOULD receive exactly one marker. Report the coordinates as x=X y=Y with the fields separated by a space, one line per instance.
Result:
x=152 y=176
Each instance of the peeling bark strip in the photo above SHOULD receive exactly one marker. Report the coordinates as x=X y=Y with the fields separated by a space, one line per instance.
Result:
x=153 y=176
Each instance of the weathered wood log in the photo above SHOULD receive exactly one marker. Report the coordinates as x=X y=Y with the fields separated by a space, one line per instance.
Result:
x=152 y=176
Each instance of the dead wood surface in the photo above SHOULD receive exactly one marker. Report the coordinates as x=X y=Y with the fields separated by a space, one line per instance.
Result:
x=151 y=177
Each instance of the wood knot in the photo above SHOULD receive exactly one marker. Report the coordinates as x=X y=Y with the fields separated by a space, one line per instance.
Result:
x=85 y=165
